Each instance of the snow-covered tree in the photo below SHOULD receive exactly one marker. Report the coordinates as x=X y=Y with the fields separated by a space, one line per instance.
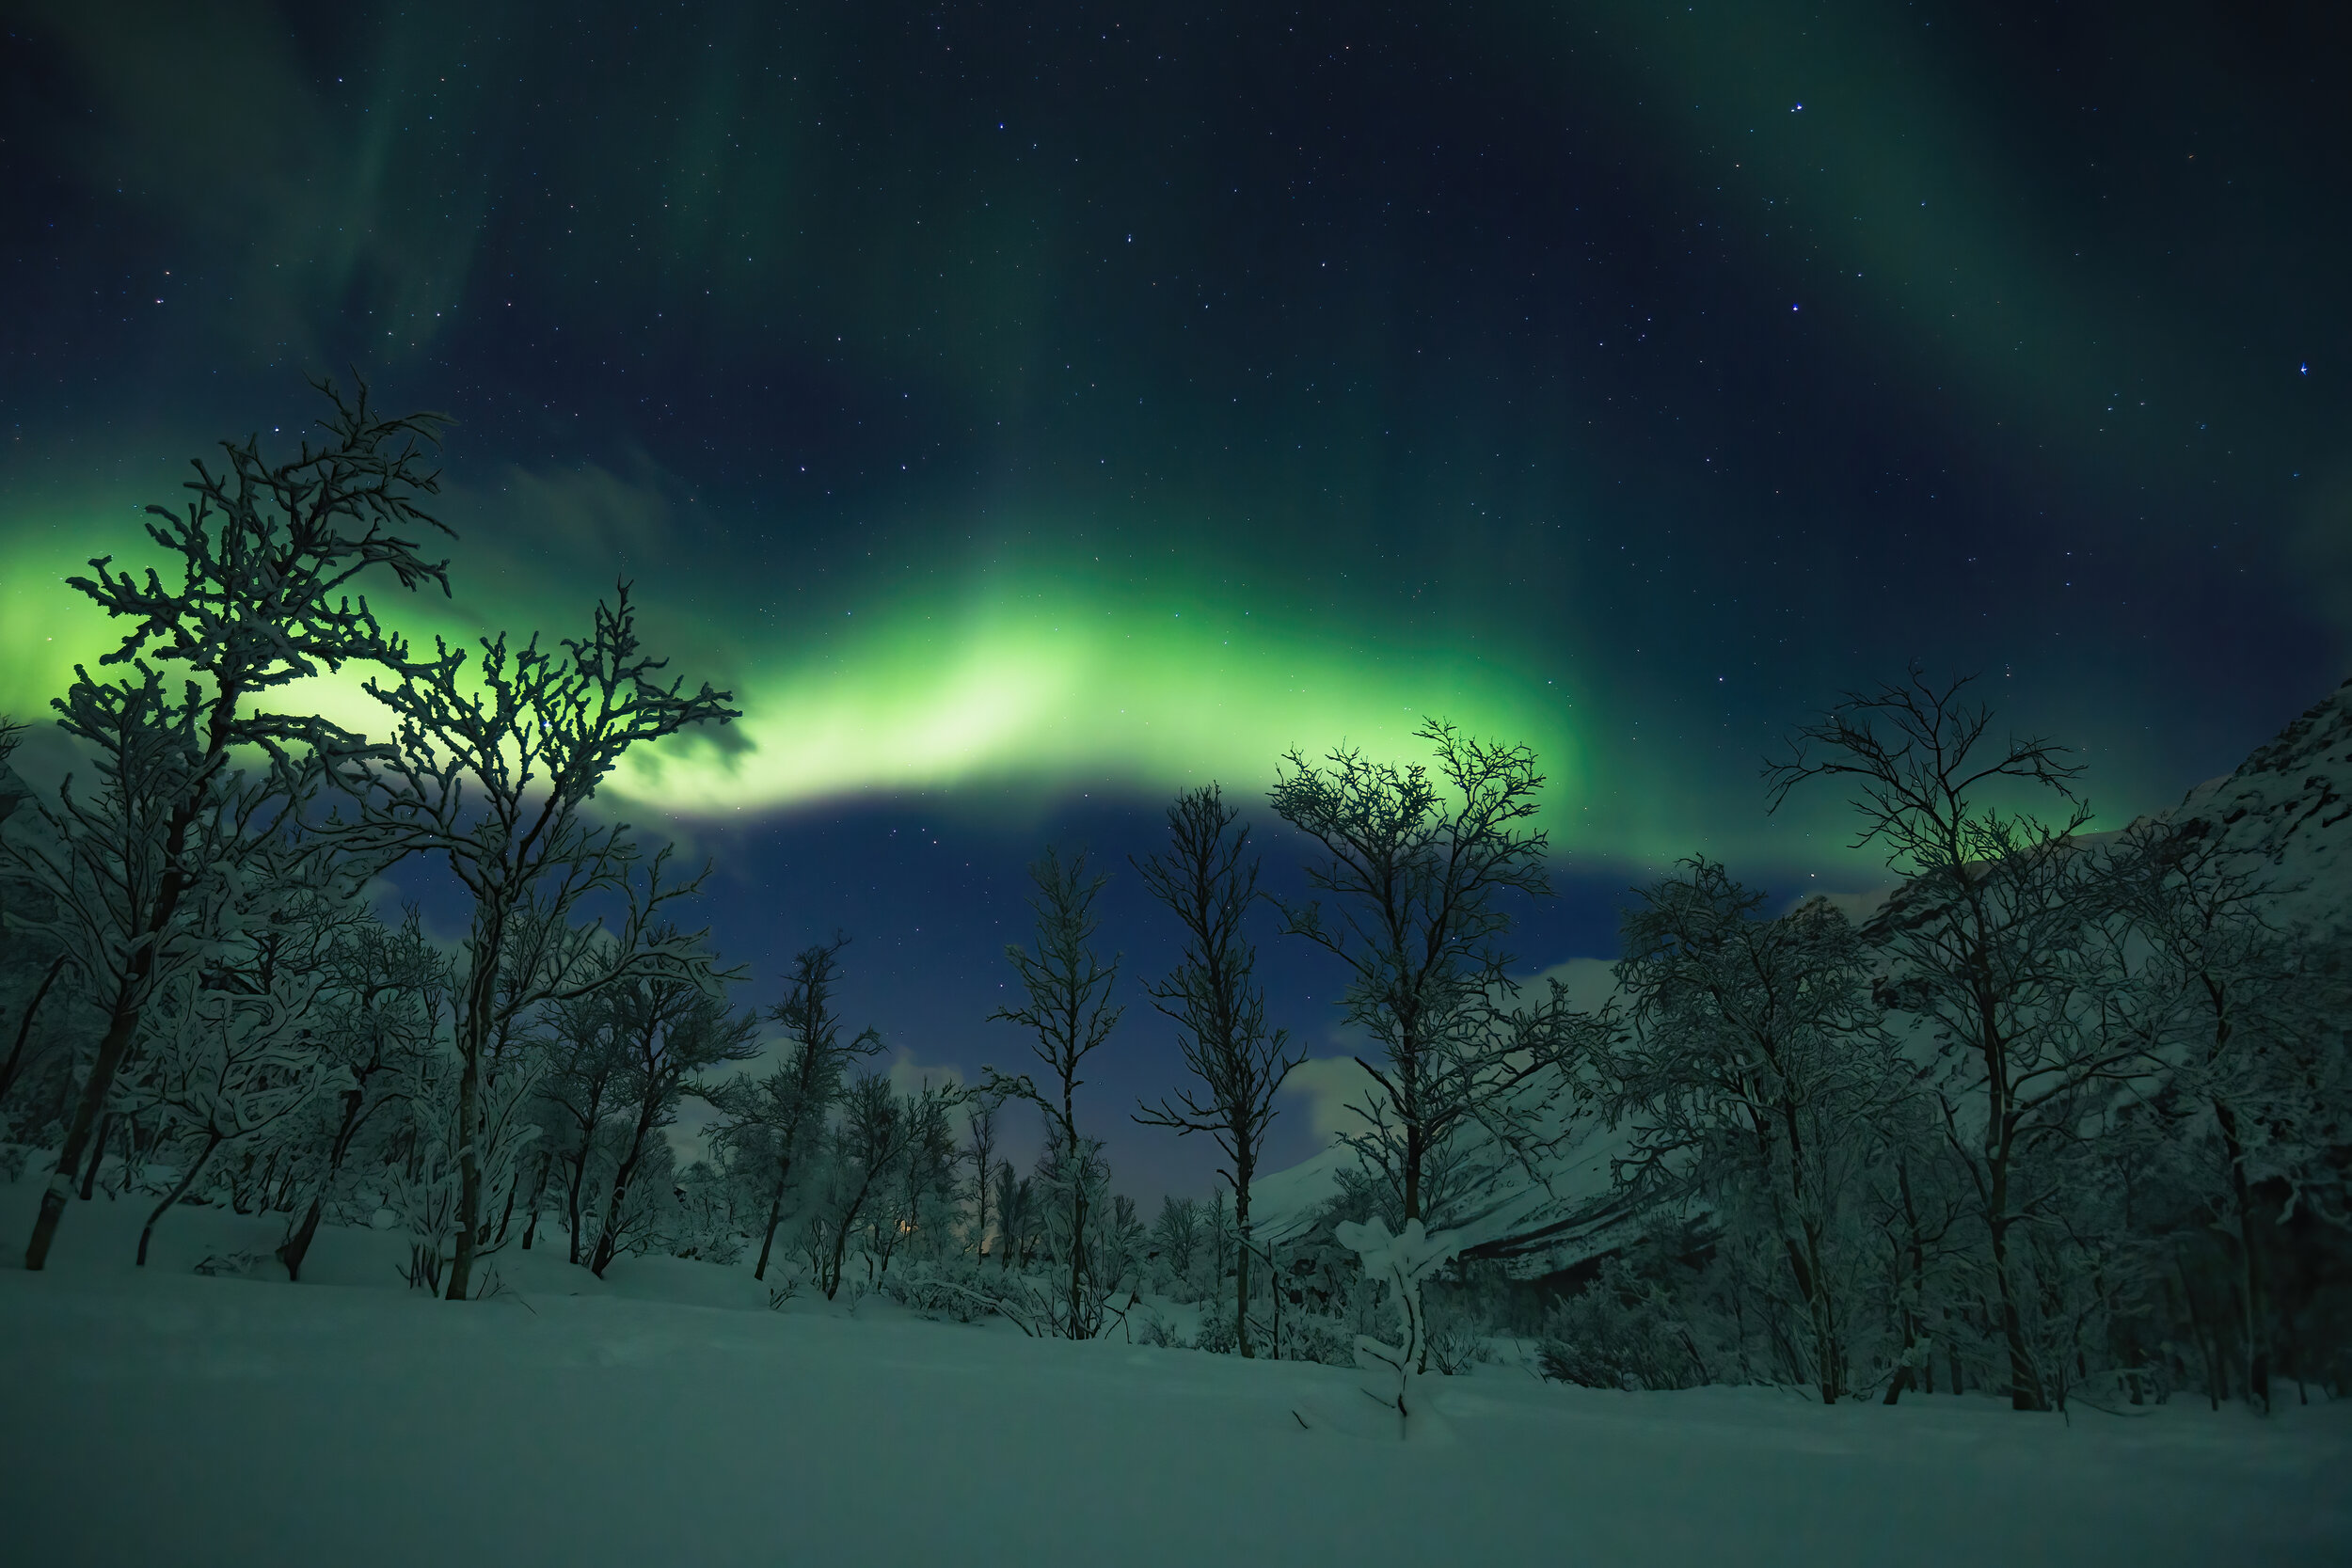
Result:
x=381 y=1006
x=580 y=1096
x=873 y=1138
x=783 y=1110
x=1985 y=948
x=223 y=1064
x=1750 y=1077
x=2225 y=999
x=1400 y=1264
x=669 y=1030
x=1177 y=1235
x=1016 y=1217
x=492 y=770
x=258 y=596
x=920 y=1197
x=1208 y=879
x=1217 y=1240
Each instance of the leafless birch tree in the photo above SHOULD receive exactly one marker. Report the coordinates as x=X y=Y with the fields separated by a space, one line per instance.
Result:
x=1209 y=880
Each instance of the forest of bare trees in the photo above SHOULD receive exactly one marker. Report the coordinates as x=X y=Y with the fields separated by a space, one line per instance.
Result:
x=2063 y=1115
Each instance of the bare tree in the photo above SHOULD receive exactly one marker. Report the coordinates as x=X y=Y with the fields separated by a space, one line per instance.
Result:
x=225 y=1065
x=580 y=1089
x=1016 y=1217
x=1985 y=943
x=265 y=557
x=535 y=733
x=1418 y=866
x=926 y=1171
x=979 y=1151
x=2218 y=993
x=1209 y=880
x=384 y=994
x=1069 y=1015
x=1219 y=1228
x=787 y=1107
x=872 y=1139
x=1177 y=1234
x=1752 y=1073
x=670 y=1030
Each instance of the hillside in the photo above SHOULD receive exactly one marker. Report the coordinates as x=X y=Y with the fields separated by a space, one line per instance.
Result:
x=2287 y=809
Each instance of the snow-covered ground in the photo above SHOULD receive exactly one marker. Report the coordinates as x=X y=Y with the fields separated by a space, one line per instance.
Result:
x=159 y=1417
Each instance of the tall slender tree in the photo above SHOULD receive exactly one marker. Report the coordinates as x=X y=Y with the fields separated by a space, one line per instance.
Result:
x=1985 y=942
x=979 y=1151
x=672 y=1029
x=1416 y=865
x=785 y=1108
x=1208 y=879
x=1067 y=1014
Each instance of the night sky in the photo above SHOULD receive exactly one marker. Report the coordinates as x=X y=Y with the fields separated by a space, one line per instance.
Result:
x=1030 y=410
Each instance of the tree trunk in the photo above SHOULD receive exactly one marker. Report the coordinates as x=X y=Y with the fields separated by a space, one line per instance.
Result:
x=832 y=1282
x=538 y=1199
x=1413 y=1154
x=1077 y=1250
x=469 y=1177
x=2025 y=1384
x=1273 y=1294
x=776 y=1214
x=2250 y=1259
x=623 y=1174
x=296 y=1246
x=574 y=1186
x=1241 y=1276
x=187 y=1180
x=1804 y=1257
x=97 y=1155
x=122 y=1020
x=473 y=1039
x=24 y=1027
x=506 y=1216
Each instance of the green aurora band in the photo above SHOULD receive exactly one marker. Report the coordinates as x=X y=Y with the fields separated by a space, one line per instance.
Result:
x=1031 y=684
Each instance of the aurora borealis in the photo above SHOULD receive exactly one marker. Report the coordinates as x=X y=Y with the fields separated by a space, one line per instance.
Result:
x=1029 y=410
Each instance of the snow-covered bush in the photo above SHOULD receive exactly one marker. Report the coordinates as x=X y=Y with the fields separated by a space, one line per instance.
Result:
x=1617 y=1332
x=703 y=1221
x=1457 y=1340
x=1400 y=1263
x=962 y=1290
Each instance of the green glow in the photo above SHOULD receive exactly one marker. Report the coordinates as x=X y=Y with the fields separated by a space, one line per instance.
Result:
x=1050 y=687
x=46 y=627
x=1035 y=681
x=1028 y=682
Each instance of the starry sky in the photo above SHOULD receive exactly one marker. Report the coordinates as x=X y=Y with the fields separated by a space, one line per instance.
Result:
x=1031 y=409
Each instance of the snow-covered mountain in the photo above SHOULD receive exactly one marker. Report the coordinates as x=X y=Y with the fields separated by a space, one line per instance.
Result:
x=2288 y=807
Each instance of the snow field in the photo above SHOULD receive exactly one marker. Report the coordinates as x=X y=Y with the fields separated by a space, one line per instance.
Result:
x=159 y=1417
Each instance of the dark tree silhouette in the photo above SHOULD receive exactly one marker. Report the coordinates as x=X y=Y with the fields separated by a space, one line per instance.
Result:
x=1209 y=880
